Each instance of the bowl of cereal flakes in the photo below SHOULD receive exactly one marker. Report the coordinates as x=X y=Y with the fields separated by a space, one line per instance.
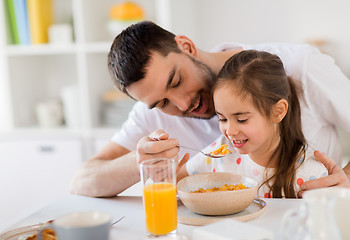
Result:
x=217 y=193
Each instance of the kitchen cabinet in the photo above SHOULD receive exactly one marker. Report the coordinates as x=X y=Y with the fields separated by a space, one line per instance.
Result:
x=33 y=172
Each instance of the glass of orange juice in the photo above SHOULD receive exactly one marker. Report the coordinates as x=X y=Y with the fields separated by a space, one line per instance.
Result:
x=159 y=195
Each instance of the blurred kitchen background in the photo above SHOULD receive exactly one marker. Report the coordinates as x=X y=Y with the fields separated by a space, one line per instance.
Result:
x=57 y=102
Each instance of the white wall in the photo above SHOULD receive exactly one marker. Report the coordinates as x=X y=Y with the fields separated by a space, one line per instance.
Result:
x=209 y=22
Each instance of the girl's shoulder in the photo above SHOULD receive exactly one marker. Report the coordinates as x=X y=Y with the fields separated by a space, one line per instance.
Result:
x=307 y=169
x=309 y=166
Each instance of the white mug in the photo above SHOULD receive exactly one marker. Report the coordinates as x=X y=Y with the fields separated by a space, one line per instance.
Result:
x=81 y=225
x=60 y=34
x=49 y=114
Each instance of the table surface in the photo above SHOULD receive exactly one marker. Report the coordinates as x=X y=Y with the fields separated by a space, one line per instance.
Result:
x=133 y=224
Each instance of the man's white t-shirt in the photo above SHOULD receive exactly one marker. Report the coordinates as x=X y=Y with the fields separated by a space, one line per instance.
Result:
x=192 y=132
x=325 y=104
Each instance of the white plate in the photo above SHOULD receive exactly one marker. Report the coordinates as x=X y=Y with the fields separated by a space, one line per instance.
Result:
x=21 y=233
x=186 y=216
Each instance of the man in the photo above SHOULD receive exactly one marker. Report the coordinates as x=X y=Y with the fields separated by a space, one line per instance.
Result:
x=172 y=81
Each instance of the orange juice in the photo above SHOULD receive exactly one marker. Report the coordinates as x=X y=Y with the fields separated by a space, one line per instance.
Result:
x=160 y=208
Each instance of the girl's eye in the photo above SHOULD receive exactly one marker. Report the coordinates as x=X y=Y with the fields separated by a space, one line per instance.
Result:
x=242 y=120
x=222 y=119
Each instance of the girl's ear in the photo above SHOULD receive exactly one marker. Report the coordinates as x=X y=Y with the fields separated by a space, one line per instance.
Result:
x=186 y=45
x=279 y=110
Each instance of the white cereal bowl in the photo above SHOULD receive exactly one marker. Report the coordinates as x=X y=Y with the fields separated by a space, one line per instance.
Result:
x=218 y=202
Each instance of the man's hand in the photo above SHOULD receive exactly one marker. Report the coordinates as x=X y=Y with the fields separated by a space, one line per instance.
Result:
x=336 y=175
x=157 y=145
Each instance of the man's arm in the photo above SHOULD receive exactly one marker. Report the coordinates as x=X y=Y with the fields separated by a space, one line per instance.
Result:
x=337 y=176
x=115 y=168
x=109 y=172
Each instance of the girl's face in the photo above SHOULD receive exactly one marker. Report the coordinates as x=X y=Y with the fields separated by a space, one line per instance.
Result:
x=240 y=122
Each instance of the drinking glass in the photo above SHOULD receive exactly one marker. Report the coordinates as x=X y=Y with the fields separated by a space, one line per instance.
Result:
x=158 y=177
x=317 y=217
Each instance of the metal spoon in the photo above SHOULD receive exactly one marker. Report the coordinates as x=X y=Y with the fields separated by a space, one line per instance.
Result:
x=205 y=154
x=118 y=220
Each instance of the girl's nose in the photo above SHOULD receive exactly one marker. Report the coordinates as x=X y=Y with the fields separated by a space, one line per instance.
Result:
x=232 y=129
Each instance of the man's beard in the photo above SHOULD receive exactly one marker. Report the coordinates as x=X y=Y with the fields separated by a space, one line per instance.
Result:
x=209 y=78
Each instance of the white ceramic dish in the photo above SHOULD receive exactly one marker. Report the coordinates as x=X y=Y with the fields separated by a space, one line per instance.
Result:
x=220 y=202
x=21 y=233
x=186 y=216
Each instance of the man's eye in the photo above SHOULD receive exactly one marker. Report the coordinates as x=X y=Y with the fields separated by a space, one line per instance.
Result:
x=178 y=83
x=164 y=103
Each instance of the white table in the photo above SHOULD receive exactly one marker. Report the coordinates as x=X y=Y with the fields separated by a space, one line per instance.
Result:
x=133 y=225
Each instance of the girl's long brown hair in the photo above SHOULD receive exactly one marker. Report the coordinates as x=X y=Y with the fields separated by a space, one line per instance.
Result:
x=262 y=76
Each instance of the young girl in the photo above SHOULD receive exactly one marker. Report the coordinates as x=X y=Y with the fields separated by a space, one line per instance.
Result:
x=259 y=117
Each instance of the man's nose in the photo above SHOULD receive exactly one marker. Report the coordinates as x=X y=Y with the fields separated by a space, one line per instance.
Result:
x=182 y=102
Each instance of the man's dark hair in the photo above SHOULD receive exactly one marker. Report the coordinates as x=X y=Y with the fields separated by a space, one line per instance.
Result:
x=131 y=51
